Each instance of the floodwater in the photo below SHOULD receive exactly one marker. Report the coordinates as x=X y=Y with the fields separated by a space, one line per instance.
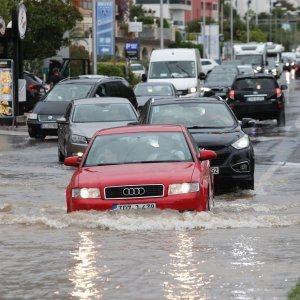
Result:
x=246 y=248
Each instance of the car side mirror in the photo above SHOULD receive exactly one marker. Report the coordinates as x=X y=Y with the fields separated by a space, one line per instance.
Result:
x=144 y=77
x=207 y=155
x=248 y=122
x=62 y=120
x=201 y=76
x=72 y=161
x=283 y=87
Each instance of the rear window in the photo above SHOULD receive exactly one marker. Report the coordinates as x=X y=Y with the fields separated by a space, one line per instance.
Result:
x=250 y=84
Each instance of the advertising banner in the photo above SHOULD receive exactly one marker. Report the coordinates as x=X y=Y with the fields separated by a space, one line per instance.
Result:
x=212 y=44
x=6 y=88
x=105 y=29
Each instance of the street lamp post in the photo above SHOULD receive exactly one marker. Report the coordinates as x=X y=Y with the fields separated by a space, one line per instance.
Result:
x=231 y=29
x=161 y=25
x=203 y=29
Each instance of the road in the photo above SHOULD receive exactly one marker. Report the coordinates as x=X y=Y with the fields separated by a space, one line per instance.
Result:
x=246 y=248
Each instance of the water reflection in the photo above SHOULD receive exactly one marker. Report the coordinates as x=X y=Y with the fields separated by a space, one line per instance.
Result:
x=186 y=280
x=86 y=273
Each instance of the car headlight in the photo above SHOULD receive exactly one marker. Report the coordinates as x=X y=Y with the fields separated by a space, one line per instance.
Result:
x=205 y=89
x=78 y=139
x=193 y=90
x=32 y=116
x=86 y=193
x=242 y=143
x=183 y=188
x=274 y=71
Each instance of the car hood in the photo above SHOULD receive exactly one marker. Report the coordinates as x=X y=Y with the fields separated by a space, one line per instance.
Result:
x=88 y=129
x=51 y=107
x=215 y=137
x=132 y=174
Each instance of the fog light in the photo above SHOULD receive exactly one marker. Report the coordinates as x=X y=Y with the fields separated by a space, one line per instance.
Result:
x=241 y=167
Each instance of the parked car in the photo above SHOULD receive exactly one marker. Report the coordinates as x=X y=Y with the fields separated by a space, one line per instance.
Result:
x=137 y=69
x=36 y=88
x=208 y=65
x=258 y=96
x=214 y=126
x=218 y=84
x=84 y=117
x=141 y=167
x=42 y=121
x=145 y=90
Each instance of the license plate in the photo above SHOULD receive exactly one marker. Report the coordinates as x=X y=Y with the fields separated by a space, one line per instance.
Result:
x=133 y=206
x=49 y=126
x=215 y=170
x=255 y=99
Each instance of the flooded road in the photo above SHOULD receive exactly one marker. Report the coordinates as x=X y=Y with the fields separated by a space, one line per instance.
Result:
x=246 y=248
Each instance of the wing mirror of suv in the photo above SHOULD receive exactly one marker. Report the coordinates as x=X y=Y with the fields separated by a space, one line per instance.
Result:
x=248 y=122
x=283 y=87
x=201 y=76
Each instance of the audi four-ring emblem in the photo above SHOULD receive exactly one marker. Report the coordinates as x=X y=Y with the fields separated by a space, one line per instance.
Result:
x=134 y=191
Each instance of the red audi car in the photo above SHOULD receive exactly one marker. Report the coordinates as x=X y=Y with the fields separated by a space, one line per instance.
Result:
x=141 y=167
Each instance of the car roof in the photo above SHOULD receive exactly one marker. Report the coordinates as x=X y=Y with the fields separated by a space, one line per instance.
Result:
x=182 y=100
x=155 y=83
x=255 y=75
x=140 y=128
x=101 y=100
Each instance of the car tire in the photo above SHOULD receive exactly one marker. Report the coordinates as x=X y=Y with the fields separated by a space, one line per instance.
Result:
x=247 y=185
x=281 y=119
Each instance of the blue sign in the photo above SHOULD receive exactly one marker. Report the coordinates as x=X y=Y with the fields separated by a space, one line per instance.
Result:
x=105 y=31
x=131 y=46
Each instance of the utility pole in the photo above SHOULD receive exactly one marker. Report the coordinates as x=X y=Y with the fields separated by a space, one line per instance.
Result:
x=231 y=28
x=203 y=30
x=94 y=39
x=247 y=21
x=161 y=25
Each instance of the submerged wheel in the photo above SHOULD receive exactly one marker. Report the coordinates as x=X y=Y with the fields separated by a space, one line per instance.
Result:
x=281 y=119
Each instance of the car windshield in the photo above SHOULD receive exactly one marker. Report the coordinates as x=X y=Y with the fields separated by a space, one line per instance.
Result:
x=136 y=68
x=256 y=60
x=68 y=92
x=153 y=90
x=172 y=69
x=224 y=78
x=88 y=113
x=206 y=115
x=255 y=84
x=141 y=147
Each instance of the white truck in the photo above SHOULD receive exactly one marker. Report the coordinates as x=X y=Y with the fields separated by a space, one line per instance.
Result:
x=254 y=54
x=274 y=57
x=181 y=66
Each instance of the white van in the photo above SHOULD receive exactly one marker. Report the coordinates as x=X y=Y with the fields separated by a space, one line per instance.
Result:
x=180 y=66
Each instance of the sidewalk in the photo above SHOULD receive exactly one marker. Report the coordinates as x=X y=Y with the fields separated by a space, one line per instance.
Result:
x=19 y=129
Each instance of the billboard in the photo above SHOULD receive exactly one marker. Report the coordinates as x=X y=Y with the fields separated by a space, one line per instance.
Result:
x=212 y=44
x=6 y=89
x=105 y=29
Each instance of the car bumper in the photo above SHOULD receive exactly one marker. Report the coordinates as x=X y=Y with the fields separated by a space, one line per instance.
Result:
x=45 y=128
x=190 y=201
x=259 y=110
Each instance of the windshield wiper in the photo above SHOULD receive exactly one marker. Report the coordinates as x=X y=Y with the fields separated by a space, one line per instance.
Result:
x=183 y=70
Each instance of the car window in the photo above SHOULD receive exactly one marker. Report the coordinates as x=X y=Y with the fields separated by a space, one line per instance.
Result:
x=68 y=92
x=211 y=115
x=225 y=78
x=106 y=112
x=249 y=84
x=138 y=147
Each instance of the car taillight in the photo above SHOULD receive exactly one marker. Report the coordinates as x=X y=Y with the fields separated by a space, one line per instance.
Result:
x=34 y=87
x=231 y=94
x=296 y=68
x=278 y=92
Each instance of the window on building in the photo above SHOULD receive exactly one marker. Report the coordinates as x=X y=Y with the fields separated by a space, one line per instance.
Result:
x=86 y=4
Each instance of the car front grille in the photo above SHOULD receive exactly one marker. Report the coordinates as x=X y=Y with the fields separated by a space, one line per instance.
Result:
x=48 y=118
x=182 y=92
x=134 y=191
x=222 y=155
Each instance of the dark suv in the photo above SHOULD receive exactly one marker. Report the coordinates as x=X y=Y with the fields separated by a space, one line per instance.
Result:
x=258 y=96
x=213 y=126
x=42 y=121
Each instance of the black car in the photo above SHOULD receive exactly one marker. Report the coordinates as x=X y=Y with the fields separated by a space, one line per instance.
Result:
x=213 y=126
x=36 y=88
x=258 y=96
x=297 y=69
x=42 y=121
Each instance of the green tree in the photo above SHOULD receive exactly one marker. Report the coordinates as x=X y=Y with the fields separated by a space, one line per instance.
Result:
x=47 y=23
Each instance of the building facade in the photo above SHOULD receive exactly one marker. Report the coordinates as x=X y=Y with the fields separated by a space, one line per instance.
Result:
x=211 y=9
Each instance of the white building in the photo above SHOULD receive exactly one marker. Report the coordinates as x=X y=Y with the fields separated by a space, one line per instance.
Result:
x=258 y=6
